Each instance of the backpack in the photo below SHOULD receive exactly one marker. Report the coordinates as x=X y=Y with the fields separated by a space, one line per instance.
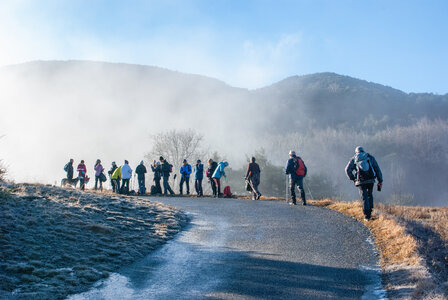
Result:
x=103 y=177
x=364 y=169
x=153 y=190
x=299 y=166
x=227 y=193
x=66 y=168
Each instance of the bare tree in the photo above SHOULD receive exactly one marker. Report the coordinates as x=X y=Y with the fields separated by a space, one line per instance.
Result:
x=177 y=145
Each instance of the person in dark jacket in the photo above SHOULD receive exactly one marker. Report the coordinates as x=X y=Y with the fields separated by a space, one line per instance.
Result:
x=82 y=173
x=198 y=176
x=157 y=169
x=363 y=169
x=212 y=165
x=185 y=171
x=113 y=182
x=141 y=171
x=297 y=170
x=166 y=170
x=253 y=176
x=69 y=169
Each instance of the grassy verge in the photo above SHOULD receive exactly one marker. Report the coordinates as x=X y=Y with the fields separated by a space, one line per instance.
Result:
x=55 y=242
x=406 y=272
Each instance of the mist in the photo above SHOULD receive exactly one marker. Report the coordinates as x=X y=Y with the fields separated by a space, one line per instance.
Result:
x=56 y=110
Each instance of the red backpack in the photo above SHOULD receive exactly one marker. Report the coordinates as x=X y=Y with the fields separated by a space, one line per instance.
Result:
x=299 y=166
x=227 y=192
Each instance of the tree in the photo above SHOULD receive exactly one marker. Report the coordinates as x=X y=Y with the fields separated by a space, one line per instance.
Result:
x=177 y=145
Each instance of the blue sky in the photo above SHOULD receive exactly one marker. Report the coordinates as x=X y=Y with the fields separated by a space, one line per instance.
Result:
x=403 y=44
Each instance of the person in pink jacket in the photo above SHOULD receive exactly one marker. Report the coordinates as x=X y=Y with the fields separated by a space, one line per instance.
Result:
x=98 y=170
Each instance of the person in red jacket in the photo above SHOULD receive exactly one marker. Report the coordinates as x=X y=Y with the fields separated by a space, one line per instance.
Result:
x=82 y=171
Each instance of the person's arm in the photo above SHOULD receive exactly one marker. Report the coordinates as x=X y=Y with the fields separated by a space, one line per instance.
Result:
x=288 y=167
x=349 y=170
x=376 y=167
x=248 y=171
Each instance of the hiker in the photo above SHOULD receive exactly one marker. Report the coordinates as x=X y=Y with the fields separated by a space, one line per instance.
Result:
x=141 y=170
x=82 y=171
x=185 y=171
x=198 y=176
x=253 y=177
x=366 y=170
x=126 y=174
x=212 y=165
x=166 y=170
x=157 y=169
x=297 y=170
x=111 y=172
x=116 y=178
x=69 y=169
x=219 y=172
x=98 y=171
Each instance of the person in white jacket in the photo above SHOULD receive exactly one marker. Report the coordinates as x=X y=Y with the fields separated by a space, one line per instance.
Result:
x=126 y=174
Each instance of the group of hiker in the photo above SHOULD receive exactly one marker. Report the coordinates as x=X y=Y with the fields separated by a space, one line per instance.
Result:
x=362 y=169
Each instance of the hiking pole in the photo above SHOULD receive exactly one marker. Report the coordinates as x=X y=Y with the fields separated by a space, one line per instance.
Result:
x=309 y=190
x=286 y=190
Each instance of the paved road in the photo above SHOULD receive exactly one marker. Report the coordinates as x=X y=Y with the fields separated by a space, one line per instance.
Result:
x=243 y=249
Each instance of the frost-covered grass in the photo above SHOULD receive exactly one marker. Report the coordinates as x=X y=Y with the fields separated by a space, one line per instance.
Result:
x=55 y=242
x=408 y=273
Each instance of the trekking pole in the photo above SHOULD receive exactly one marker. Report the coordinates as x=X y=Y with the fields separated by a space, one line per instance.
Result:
x=286 y=189
x=309 y=190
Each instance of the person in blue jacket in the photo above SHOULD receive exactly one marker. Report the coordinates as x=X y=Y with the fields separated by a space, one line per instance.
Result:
x=297 y=170
x=185 y=171
x=219 y=172
x=198 y=172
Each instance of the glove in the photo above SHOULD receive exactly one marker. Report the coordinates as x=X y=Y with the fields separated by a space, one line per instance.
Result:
x=380 y=186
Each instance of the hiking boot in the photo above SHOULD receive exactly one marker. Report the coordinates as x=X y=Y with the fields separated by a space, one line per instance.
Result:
x=304 y=203
x=258 y=196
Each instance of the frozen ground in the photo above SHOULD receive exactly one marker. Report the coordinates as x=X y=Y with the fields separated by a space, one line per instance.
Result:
x=55 y=242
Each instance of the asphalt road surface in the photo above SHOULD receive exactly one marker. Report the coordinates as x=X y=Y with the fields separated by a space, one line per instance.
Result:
x=244 y=249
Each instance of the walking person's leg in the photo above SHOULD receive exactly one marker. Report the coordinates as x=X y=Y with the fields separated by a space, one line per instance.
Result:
x=165 y=185
x=292 y=189
x=200 y=186
x=96 y=183
x=218 y=186
x=213 y=183
x=187 y=181
x=101 y=185
x=364 y=193
x=182 y=179
x=196 y=187
x=112 y=184
x=301 y=189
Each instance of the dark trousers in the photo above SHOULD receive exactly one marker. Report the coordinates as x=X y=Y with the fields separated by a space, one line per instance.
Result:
x=141 y=186
x=125 y=186
x=297 y=181
x=255 y=181
x=82 y=182
x=366 y=192
x=218 y=186
x=158 y=187
x=198 y=186
x=97 y=179
x=166 y=185
x=187 y=183
x=213 y=184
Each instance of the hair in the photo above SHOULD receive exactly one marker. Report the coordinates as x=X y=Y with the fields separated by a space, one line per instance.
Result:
x=161 y=158
x=210 y=160
x=82 y=161
x=125 y=161
x=97 y=162
x=253 y=159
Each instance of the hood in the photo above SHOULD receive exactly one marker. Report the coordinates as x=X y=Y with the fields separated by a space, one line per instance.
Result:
x=361 y=156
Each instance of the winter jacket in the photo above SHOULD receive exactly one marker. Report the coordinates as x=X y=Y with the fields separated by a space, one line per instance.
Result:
x=198 y=171
x=140 y=170
x=166 y=168
x=351 y=167
x=82 y=170
x=289 y=169
x=112 y=170
x=185 y=171
x=69 y=169
x=211 y=169
x=219 y=172
x=126 y=172
x=157 y=172
x=252 y=169
x=98 y=169
x=116 y=174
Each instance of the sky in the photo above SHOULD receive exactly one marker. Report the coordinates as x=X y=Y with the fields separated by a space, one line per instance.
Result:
x=249 y=44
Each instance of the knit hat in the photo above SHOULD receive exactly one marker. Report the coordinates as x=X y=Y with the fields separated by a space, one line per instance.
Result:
x=359 y=149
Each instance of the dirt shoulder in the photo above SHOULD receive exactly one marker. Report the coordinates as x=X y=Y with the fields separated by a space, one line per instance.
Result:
x=412 y=250
x=55 y=242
